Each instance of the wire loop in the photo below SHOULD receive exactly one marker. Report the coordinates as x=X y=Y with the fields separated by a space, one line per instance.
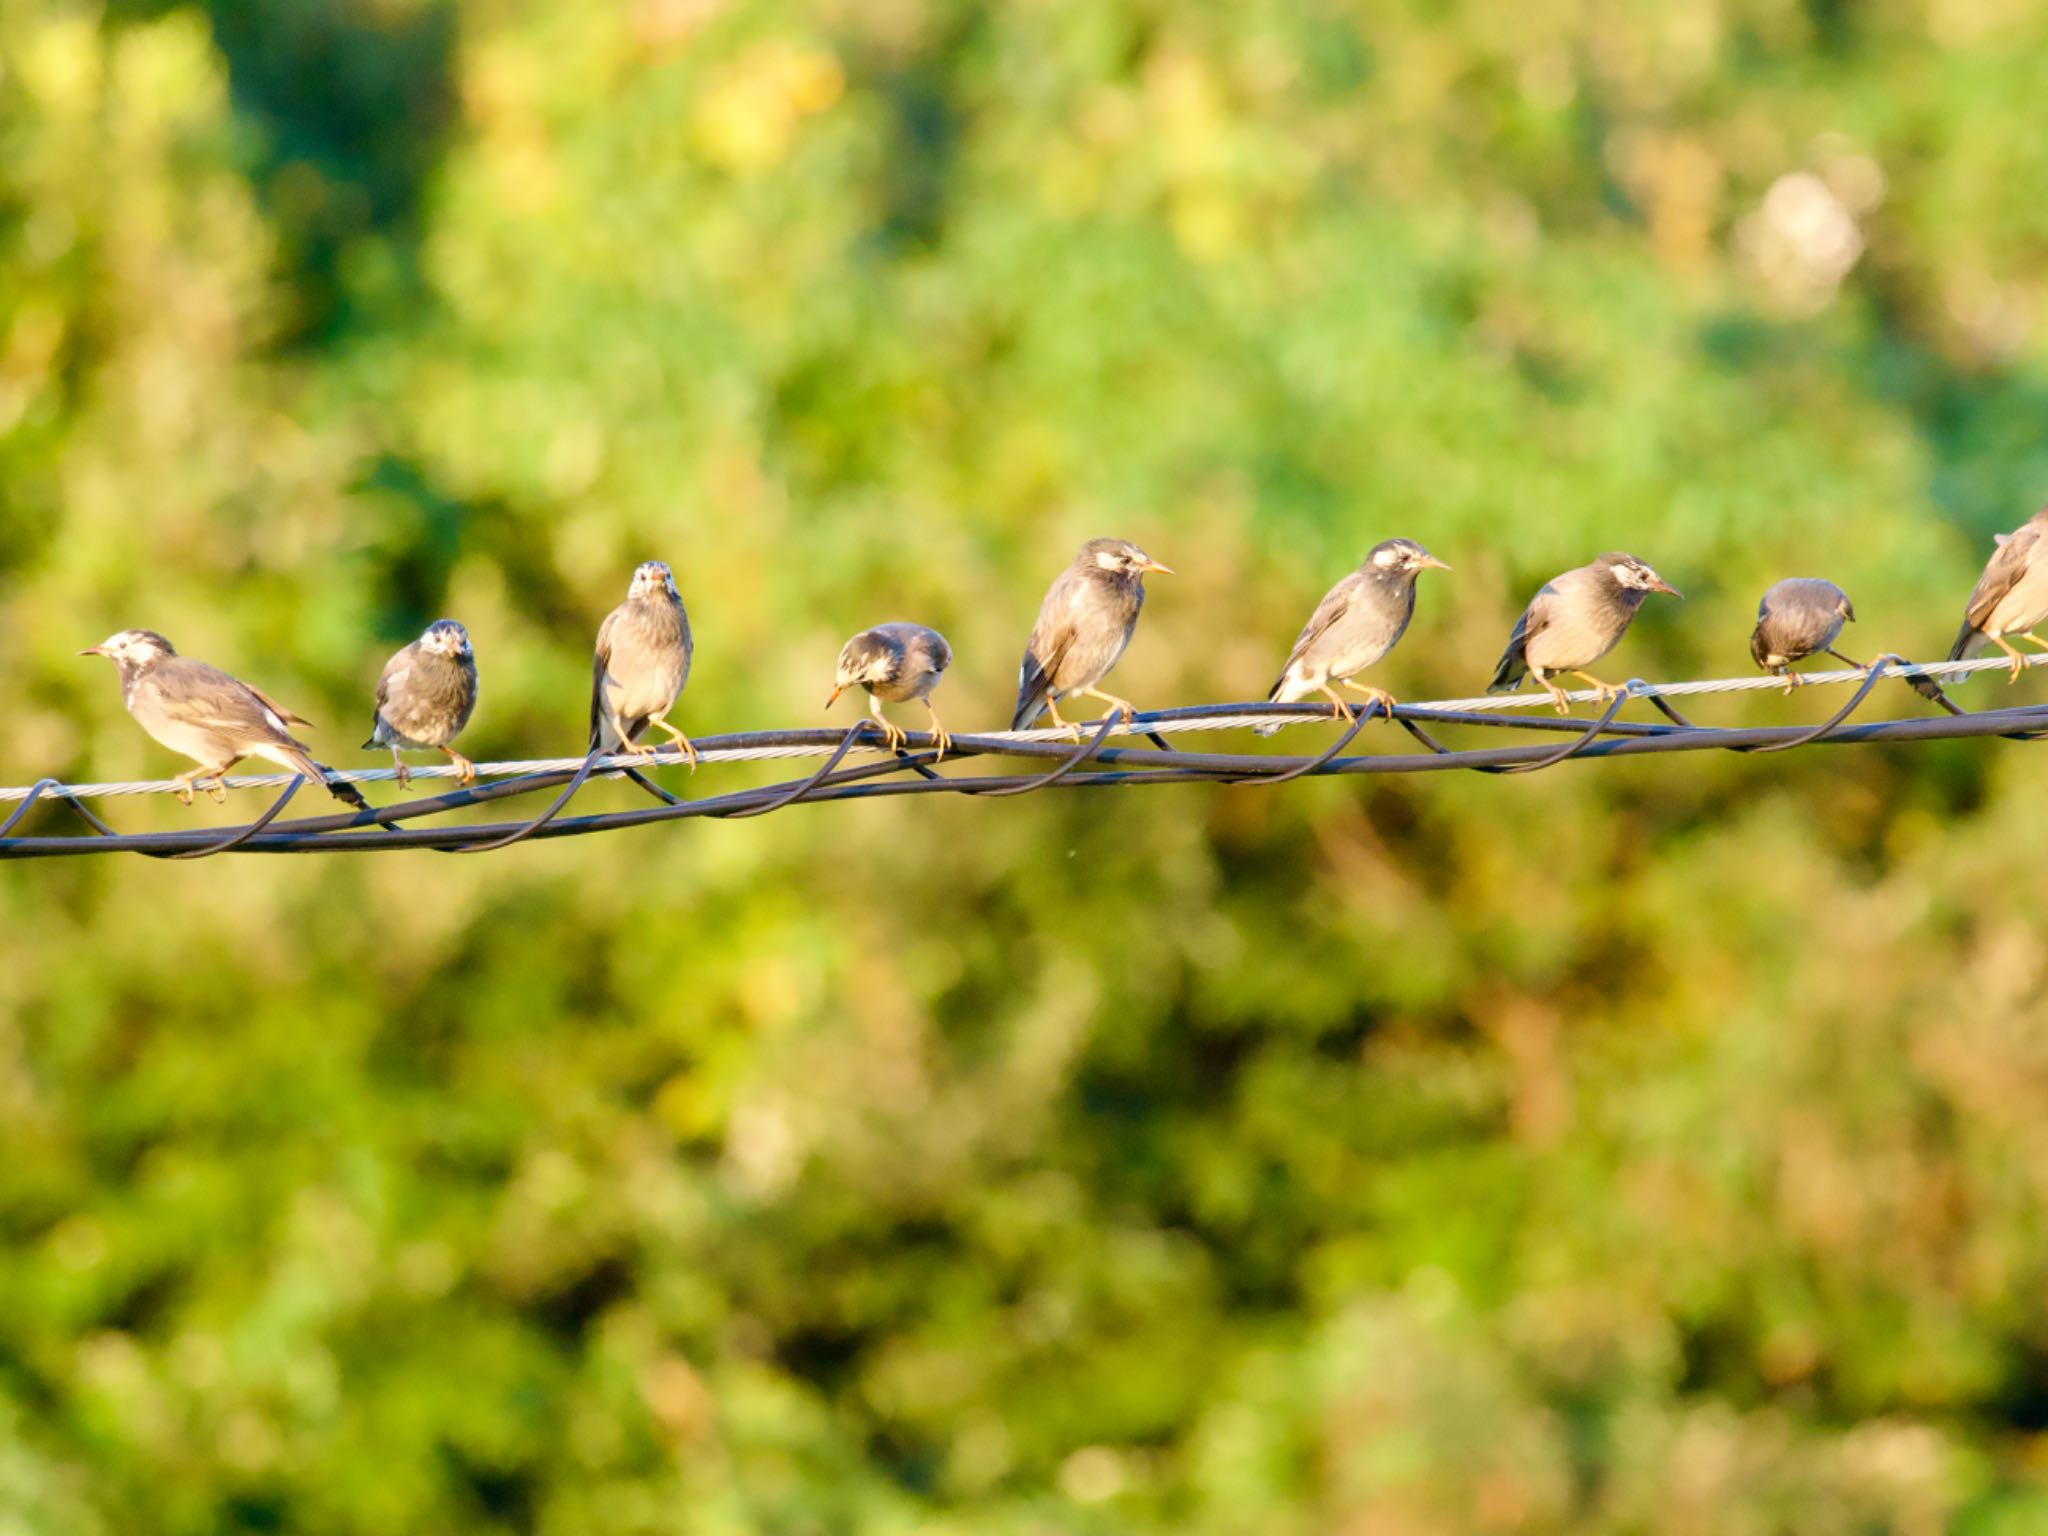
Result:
x=1084 y=764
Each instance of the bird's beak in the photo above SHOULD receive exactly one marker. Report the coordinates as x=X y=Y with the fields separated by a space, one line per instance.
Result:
x=1155 y=568
x=835 y=695
x=94 y=650
x=1666 y=588
x=1431 y=563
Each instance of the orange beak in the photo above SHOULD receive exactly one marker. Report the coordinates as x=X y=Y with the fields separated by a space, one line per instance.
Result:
x=94 y=650
x=1155 y=568
x=1431 y=563
x=1667 y=589
x=835 y=695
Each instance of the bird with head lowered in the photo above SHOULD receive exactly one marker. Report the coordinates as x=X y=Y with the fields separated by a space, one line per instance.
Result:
x=1799 y=617
x=897 y=661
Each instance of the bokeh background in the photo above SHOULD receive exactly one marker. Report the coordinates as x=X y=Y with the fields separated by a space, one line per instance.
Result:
x=1651 y=1147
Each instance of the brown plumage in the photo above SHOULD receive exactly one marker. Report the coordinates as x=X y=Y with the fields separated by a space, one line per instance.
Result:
x=641 y=665
x=2010 y=598
x=1083 y=626
x=204 y=714
x=1799 y=617
x=1573 y=621
x=899 y=662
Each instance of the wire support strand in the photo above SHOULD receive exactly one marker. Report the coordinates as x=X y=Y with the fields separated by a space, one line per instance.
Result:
x=1091 y=763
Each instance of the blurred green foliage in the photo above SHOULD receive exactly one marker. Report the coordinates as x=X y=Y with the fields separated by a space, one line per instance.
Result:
x=1651 y=1148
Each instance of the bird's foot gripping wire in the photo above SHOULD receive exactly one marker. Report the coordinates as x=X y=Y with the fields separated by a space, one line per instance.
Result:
x=1374 y=697
x=218 y=788
x=689 y=749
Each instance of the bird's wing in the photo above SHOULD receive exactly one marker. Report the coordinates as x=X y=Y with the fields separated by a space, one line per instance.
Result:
x=209 y=698
x=600 y=664
x=393 y=676
x=1514 y=661
x=1045 y=650
x=2002 y=572
x=278 y=709
x=1335 y=604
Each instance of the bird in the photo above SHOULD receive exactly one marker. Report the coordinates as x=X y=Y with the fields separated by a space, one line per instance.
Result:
x=643 y=660
x=1358 y=621
x=897 y=661
x=425 y=696
x=1573 y=621
x=1797 y=618
x=1083 y=626
x=208 y=716
x=2010 y=598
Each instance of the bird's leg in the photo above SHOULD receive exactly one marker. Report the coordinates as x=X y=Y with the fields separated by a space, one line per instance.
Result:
x=893 y=735
x=1116 y=705
x=404 y=773
x=2019 y=659
x=1792 y=679
x=1379 y=696
x=939 y=732
x=1340 y=707
x=184 y=783
x=1557 y=694
x=219 y=788
x=465 y=770
x=1605 y=690
x=1053 y=709
x=2030 y=635
x=1845 y=660
x=689 y=751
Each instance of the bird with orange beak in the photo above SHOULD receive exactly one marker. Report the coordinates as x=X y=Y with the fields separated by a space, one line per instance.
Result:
x=208 y=716
x=1083 y=626
x=898 y=662
x=1573 y=621
x=1358 y=621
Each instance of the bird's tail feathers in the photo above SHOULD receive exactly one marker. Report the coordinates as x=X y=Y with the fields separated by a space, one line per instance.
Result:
x=301 y=762
x=1969 y=641
x=1279 y=693
x=1507 y=677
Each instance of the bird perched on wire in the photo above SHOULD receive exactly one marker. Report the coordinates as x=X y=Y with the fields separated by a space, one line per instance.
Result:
x=1573 y=621
x=1799 y=617
x=1357 y=622
x=643 y=660
x=1083 y=626
x=2010 y=598
x=898 y=662
x=208 y=716
x=425 y=696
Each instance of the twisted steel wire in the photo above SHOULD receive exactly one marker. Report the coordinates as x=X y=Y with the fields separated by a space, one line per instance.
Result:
x=1087 y=762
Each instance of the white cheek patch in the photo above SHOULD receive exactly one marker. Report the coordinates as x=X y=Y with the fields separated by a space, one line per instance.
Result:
x=1386 y=557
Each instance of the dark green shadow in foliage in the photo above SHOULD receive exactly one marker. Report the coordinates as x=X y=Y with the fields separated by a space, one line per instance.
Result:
x=350 y=106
